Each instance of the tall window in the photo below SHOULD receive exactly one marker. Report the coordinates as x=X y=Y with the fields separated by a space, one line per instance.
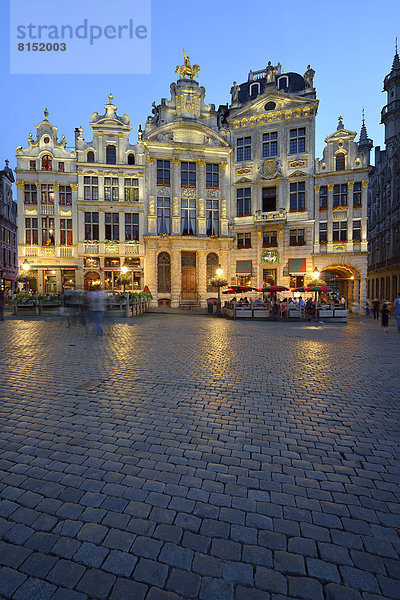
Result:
x=47 y=193
x=212 y=217
x=323 y=233
x=340 y=162
x=61 y=167
x=357 y=231
x=163 y=172
x=92 y=226
x=188 y=216
x=66 y=232
x=339 y=231
x=131 y=227
x=47 y=231
x=164 y=272
x=131 y=158
x=357 y=193
x=91 y=188
x=298 y=196
x=297 y=140
x=340 y=194
x=32 y=165
x=323 y=197
x=65 y=195
x=111 y=226
x=268 y=199
x=30 y=193
x=163 y=215
x=243 y=198
x=47 y=162
x=188 y=174
x=131 y=189
x=212 y=265
x=243 y=149
x=31 y=231
x=270 y=239
x=90 y=156
x=244 y=240
x=111 y=189
x=296 y=237
x=212 y=176
x=270 y=144
x=111 y=155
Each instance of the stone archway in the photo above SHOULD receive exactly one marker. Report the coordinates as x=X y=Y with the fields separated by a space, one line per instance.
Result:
x=92 y=280
x=347 y=280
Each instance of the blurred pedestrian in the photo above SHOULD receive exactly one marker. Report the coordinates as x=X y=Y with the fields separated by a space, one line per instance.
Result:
x=396 y=310
x=97 y=300
x=1 y=303
x=385 y=317
x=375 y=308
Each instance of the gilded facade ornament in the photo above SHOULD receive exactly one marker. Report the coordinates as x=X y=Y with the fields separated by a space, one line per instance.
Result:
x=151 y=160
x=187 y=70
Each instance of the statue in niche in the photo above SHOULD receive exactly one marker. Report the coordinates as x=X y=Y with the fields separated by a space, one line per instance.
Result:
x=221 y=117
x=309 y=77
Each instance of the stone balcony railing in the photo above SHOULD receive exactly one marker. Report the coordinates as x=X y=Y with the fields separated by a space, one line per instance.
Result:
x=274 y=216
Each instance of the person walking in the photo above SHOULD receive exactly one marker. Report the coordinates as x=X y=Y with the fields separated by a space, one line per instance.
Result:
x=396 y=310
x=385 y=317
x=97 y=306
x=375 y=308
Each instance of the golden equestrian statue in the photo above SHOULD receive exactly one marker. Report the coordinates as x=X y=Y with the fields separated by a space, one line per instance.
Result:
x=187 y=69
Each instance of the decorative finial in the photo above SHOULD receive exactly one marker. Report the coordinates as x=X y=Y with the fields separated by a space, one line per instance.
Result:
x=187 y=69
x=396 y=45
x=140 y=132
x=7 y=161
x=110 y=97
x=46 y=113
x=340 y=124
x=363 y=116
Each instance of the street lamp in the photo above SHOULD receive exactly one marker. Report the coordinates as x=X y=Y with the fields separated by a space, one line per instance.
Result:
x=316 y=273
x=25 y=265
x=219 y=273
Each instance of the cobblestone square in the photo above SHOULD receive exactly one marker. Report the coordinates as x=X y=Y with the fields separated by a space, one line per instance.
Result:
x=206 y=459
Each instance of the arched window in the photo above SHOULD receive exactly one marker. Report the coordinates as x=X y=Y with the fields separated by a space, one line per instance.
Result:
x=164 y=272
x=255 y=89
x=283 y=82
x=212 y=264
x=90 y=156
x=131 y=158
x=47 y=163
x=340 y=162
x=111 y=155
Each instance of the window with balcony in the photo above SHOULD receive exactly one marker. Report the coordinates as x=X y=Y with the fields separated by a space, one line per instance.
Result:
x=47 y=163
x=131 y=189
x=92 y=226
x=47 y=193
x=111 y=189
x=212 y=217
x=243 y=240
x=188 y=174
x=131 y=227
x=111 y=226
x=297 y=140
x=31 y=231
x=66 y=232
x=298 y=196
x=268 y=199
x=340 y=195
x=270 y=239
x=30 y=193
x=188 y=216
x=339 y=231
x=65 y=195
x=212 y=176
x=270 y=144
x=323 y=197
x=243 y=199
x=357 y=194
x=243 y=149
x=163 y=172
x=163 y=216
x=323 y=233
x=90 y=188
x=111 y=154
x=297 y=237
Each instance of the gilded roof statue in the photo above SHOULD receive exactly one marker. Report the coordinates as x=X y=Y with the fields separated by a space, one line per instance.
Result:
x=187 y=70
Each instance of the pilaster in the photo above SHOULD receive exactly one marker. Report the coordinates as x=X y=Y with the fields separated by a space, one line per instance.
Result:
x=176 y=277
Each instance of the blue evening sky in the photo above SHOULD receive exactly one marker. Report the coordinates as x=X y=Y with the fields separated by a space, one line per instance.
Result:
x=350 y=45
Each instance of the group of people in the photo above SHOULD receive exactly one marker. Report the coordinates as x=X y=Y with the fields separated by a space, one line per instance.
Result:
x=80 y=306
x=280 y=307
x=383 y=310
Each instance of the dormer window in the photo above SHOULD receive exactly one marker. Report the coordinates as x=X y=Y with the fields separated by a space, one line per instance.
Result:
x=283 y=82
x=254 y=89
x=340 y=162
x=90 y=156
x=111 y=155
x=47 y=163
x=131 y=158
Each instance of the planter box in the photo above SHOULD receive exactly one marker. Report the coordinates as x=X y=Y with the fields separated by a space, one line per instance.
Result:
x=244 y=313
x=341 y=312
x=294 y=314
x=325 y=313
x=261 y=313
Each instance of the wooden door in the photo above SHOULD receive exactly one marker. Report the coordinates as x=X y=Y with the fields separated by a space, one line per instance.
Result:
x=188 y=283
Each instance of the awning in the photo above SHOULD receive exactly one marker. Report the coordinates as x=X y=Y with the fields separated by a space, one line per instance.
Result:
x=243 y=267
x=297 y=266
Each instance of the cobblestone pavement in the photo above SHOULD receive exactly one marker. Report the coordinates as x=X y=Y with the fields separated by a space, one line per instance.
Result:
x=210 y=459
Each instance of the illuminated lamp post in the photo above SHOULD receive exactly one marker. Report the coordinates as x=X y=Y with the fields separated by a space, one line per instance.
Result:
x=219 y=273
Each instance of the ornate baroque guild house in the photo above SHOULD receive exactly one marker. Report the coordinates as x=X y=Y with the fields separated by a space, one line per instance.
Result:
x=384 y=198
x=200 y=188
x=8 y=230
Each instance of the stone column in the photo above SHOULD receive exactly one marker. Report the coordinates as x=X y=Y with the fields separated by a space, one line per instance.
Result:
x=363 y=292
x=150 y=274
x=225 y=199
x=176 y=277
x=201 y=260
x=330 y=216
x=152 y=212
x=201 y=198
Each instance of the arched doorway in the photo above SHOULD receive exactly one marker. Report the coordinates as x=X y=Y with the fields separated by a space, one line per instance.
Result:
x=92 y=280
x=345 y=280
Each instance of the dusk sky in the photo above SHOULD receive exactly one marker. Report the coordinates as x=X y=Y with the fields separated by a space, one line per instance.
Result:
x=350 y=45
